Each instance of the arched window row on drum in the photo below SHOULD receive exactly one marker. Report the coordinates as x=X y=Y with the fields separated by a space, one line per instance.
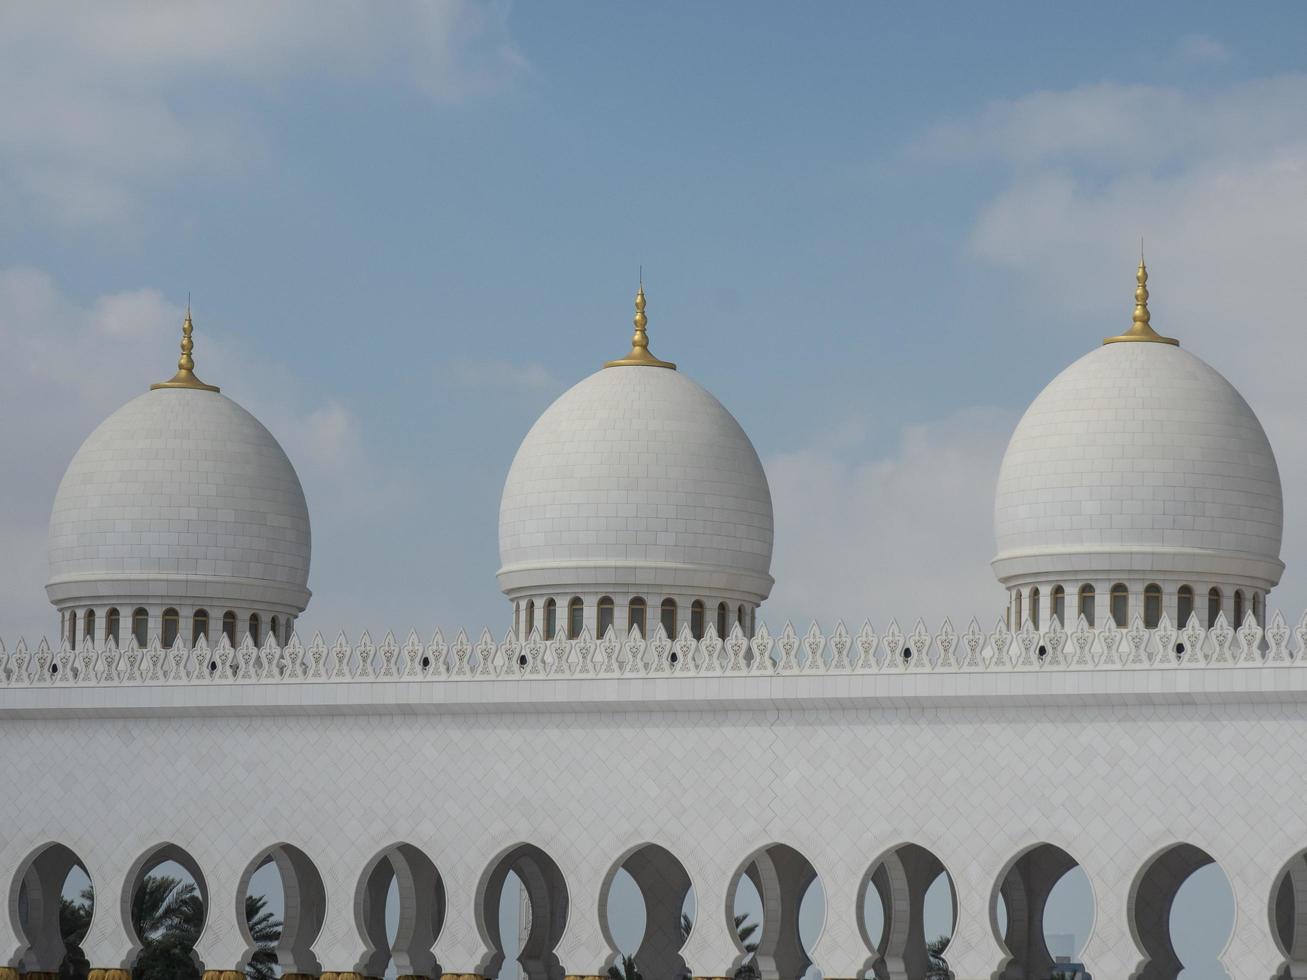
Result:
x=1033 y=605
x=92 y=627
x=532 y=616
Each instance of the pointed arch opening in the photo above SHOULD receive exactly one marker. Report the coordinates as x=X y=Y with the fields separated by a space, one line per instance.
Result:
x=540 y=912
x=773 y=898
x=1174 y=905
x=51 y=902
x=646 y=911
x=300 y=913
x=164 y=903
x=1040 y=911
x=908 y=911
x=399 y=908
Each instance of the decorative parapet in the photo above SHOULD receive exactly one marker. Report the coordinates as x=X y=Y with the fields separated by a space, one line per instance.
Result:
x=787 y=654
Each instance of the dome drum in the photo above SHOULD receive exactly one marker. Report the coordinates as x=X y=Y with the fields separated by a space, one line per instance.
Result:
x=1139 y=464
x=636 y=482
x=180 y=499
x=524 y=581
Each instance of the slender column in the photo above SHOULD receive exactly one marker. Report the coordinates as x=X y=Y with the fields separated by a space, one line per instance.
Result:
x=711 y=952
x=338 y=945
x=840 y=951
x=221 y=946
x=1252 y=953
x=974 y=951
x=1112 y=950
x=582 y=950
x=460 y=947
x=781 y=875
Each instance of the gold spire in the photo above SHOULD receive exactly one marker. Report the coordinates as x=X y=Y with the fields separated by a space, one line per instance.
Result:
x=1141 y=331
x=185 y=376
x=640 y=356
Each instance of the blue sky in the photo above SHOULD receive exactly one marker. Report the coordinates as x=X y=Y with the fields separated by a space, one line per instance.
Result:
x=874 y=232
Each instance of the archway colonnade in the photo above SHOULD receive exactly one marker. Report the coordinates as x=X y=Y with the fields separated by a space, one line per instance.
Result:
x=895 y=884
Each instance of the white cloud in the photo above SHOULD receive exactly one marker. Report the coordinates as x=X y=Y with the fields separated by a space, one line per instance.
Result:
x=101 y=99
x=1199 y=49
x=1218 y=186
x=902 y=536
x=529 y=376
x=1127 y=128
x=70 y=364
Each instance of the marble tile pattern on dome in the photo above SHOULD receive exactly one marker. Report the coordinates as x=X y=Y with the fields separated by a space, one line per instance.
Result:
x=1134 y=710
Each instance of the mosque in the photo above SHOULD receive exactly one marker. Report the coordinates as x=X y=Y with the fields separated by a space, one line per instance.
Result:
x=1135 y=711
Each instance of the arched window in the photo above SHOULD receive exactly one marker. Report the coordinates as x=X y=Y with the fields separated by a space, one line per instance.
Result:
x=1017 y=610
x=111 y=625
x=551 y=618
x=254 y=629
x=1257 y=611
x=72 y=628
x=1120 y=605
x=88 y=627
x=1184 y=605
x=275 y=629
x=1086 y=600
x=517 y=618
x=200 y=626
x=141 y=627
x=739 y=616
x=605 y=614
x=530 y=616
x=1213 y=606
x=229 y=626
x=575 y=617
x=696 y=619
x=635 y=615
x=1152 y=606
x=1034 y=608
x=722 y=614
x=1238 y=608
x=668 y=618
x=170 y=624
x=1059 y=604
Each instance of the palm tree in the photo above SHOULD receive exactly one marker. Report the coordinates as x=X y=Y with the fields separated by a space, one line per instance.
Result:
x=168 y=915
x=938 y=968
x=265 y=930
x=744 y=930
x=627 y=972
x=74 y=921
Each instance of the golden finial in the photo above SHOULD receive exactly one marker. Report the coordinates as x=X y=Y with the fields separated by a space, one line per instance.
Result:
x=640 y=356
x=1141 y=330
x=185 y=376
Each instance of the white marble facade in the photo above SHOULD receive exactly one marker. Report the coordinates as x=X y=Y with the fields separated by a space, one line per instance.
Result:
x=1139 y=742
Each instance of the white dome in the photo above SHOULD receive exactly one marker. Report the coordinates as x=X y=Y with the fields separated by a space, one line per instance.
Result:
x=1139 y=457
x=181 y=493
x=636 y=475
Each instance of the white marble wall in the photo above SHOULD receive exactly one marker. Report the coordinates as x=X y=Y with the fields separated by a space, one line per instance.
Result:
x=1112 y=765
